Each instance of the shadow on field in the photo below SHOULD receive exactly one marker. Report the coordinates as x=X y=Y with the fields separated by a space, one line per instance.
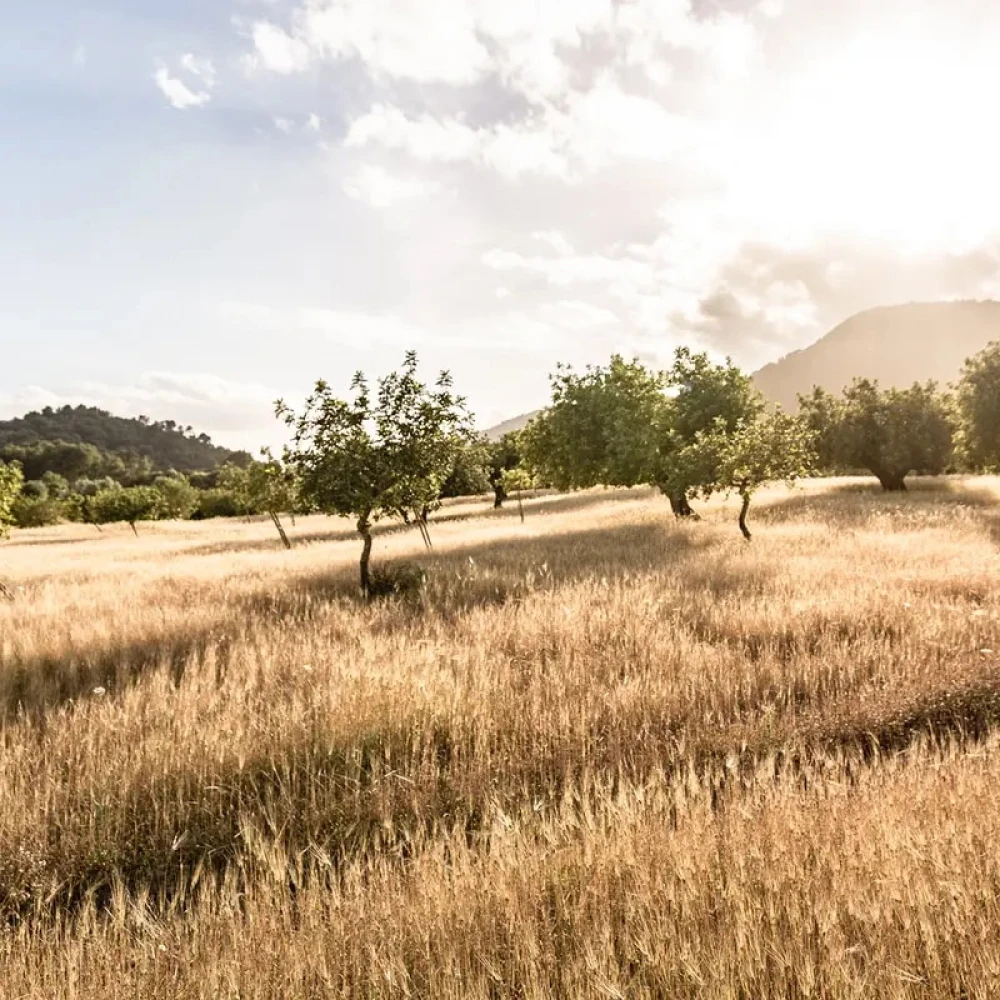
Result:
x=861 y=504
x=536 y=506
x=491 y=573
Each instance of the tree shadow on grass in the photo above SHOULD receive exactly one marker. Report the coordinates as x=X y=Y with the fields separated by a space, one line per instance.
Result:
x=548 y=503
x=461 y=579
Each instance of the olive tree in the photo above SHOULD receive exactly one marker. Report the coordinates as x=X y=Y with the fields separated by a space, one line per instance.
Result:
x=265 y=487
x=376 y=453
x=889 y=432
x=979 y=408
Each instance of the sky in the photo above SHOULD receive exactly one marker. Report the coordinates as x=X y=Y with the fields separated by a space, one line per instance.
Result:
x=206 y=205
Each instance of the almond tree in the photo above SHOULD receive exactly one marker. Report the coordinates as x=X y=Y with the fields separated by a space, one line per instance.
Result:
x=374 y=454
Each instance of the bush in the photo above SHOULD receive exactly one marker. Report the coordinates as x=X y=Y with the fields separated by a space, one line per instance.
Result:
x=35 y=512
x=216 y=503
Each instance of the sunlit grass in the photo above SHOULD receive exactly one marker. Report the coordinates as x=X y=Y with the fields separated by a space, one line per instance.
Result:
x=602 y=754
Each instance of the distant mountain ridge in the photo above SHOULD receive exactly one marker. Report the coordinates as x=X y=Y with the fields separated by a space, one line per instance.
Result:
x=166 y=444
x=897 y=345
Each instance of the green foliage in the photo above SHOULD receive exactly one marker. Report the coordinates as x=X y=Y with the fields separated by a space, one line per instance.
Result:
x=129 y=504
x=35 y=489
x=469 y=475
x=979 y=408
x=260 y=487
x=601 y=428
x=37 y=512
x=11 y=479
x=370 y=456
x=889 y=432
x=178 y=498
x=767 y=447
x=216 y=502
x=504 y=456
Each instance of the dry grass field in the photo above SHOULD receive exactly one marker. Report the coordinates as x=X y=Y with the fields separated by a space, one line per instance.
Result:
x=601 y=755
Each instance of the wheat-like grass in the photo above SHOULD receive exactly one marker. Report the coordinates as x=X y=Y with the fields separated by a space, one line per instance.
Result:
x=602 y=754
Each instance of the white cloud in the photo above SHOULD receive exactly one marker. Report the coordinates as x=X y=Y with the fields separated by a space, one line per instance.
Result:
x=177 y=93
x=314 y=123
x=277 y=51
x=283 y=124
x=419 y=41
x=380 y=189
x=203 y=69
x=79 y=58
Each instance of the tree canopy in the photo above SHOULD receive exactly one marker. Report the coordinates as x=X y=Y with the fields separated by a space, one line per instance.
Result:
x=374 y=454
x=11 y=479
x=889 y=432
x=979 y=407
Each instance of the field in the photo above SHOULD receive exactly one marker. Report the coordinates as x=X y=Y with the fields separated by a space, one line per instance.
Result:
x=602 y=754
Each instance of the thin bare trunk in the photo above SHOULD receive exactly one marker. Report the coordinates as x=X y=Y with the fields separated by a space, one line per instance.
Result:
x=365 y=531
x=744 y=509
x=135 y=530
x=520 y=506
x=281 y=530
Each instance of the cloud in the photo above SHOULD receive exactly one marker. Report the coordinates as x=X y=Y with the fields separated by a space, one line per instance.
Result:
x=277 y=51
x=380 y=189
x=178 y=94
x=203 y=69
x=79 y=58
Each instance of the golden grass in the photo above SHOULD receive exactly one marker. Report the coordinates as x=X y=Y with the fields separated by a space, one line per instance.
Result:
x=603 y=754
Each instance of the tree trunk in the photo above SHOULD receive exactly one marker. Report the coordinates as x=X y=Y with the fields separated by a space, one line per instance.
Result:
x=892 y=482
x=679 y=504
x=425 y=533
x=744 y=510
x=405 y=515
x=281 y=530
x=520 y=506
x=365 y=531
x=135 y=530
x=499 y=495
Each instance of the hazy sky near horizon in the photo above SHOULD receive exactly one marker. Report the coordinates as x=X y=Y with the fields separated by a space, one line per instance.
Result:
x=205 y=206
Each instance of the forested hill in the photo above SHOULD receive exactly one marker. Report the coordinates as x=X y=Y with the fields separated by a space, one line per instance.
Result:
x=166 y=444
x=896 y=345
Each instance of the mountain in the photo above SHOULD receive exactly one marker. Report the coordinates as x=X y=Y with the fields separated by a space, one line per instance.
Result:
x=166 y=444
x=897 y=345
x=514 y=424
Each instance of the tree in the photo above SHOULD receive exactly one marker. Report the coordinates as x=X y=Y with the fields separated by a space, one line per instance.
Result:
x=11 y=479
x=979 y=408
x=178 y=498
x=265 y=487
x=469 y=475
x=889 y=432
x=704 y=397
x=371 y=456
x=129 y=504
x=766 y=448
x=503 y=457
x=602 y=427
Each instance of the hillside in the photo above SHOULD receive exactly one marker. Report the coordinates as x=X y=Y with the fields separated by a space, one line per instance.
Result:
x=514 y=424
x=165 y=443
x=897 y=345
